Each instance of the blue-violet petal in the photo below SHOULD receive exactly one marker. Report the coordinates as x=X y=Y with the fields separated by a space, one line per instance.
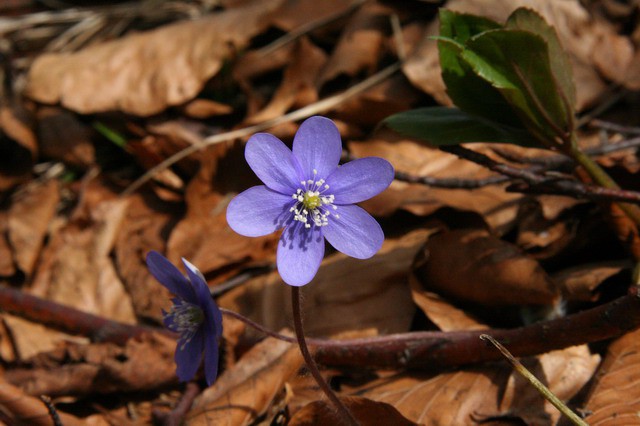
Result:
x=169 y=276
x=317 y=146
x=259 y=211
x=273 y=163
x=354 y=233
x=300 y=252
x=360 y=180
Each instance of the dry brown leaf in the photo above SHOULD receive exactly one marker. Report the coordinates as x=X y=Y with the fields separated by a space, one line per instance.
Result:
x=145 y=73
x=580 y=35
x=442 y=313
x=452 y=398
x=19 y=145
x=346 y=294
x=476 y=395
x=497 y=207
x=615 y=397
x=24 y=409
x=473 y=266
x=7 y=265
x=142 y=364
x=361 y=43
x=579 y=283
x=298 y=87
x=565 y=372
x=29 y=217
x=63 y=137
x=366 y=411
x=206 y=108
x=144 y=228
x=246 y=391
x=77 y=269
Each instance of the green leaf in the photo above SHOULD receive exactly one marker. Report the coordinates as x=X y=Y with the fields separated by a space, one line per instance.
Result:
x=530 y=20
x=517 y=63
x=450 y=126
x=468 y=91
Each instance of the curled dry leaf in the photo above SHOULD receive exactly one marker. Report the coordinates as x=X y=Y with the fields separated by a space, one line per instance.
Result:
x=78 y=271
x=145 y=73
x=580 y=283
x=19 y=146
x=143 y=228
x=442 y=313
x=143 y=364
x=477 y=395
x=366 y=411
x=246 y=391
x=361 y=43
x=615 y=397
x=472 y=266
x=29 y=218
x=25 y=409
x=298 y=87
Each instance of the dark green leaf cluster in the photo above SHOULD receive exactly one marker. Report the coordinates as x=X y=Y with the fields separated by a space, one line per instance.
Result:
x=512 y=83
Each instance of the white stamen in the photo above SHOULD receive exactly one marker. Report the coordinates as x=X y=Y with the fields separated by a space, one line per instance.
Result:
x=313 y=206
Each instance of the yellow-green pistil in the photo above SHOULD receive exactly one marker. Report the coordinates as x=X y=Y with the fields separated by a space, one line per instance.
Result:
x=312 y=205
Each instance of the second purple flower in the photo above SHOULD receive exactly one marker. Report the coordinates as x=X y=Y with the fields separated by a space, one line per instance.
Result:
x=306 y=192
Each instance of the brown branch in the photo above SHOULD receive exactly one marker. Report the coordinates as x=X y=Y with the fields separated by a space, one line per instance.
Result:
x=430 y=349
x=69 y=320
x=416 y=350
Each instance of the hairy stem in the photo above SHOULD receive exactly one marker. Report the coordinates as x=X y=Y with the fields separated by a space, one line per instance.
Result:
x=311 y=364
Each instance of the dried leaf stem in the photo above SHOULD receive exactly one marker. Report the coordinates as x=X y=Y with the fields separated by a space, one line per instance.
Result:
x=531 y=378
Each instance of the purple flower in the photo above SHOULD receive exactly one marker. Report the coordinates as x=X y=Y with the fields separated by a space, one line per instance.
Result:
x=308 y=194
x=194 y=316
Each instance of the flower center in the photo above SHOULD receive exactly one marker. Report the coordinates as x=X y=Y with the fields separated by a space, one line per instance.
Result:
x=186 y=319
x=313 y=206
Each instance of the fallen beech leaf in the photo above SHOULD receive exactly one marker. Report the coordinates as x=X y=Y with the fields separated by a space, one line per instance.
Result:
x=615 y=396
x=19 y=146
x=7 y=267
x=565 y=372
x=24 y=409
x=205 y=108
x=145 y=73
x=478 y=395
x=366 y=411
x=580 y=282
x=361 y=43
x=78 y=271
x=442 y=313
x=347 y=294
x=473 y=266
x=246 y=391
x=29 y=218
x=100 y=368
x=298 y=87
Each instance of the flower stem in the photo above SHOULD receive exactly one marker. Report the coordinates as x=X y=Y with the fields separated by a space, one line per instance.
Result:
x=311 y=364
